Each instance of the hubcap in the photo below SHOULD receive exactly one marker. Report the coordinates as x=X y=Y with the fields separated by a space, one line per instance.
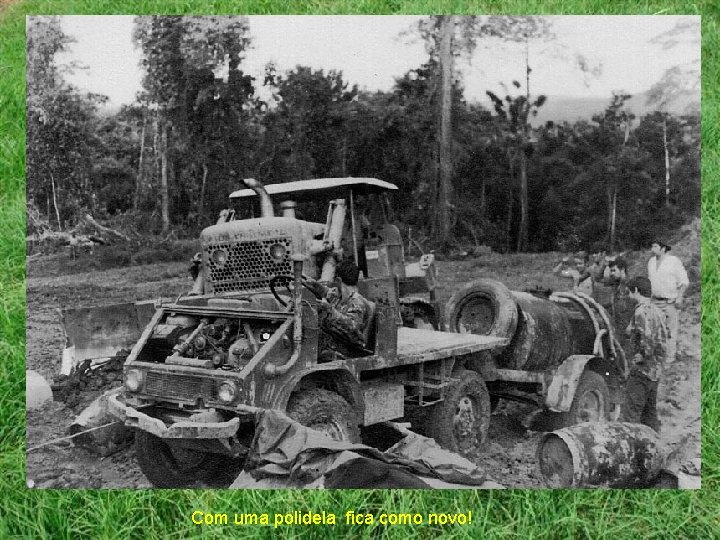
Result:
x=591 y=407
x=330 y=429
x=476 y=317
x=464 y=421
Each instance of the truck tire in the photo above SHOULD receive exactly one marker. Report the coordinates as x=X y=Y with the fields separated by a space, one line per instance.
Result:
x=168 y=466
x=591 y=402
x=326 y=412
x=484 y=307
x=461 y=422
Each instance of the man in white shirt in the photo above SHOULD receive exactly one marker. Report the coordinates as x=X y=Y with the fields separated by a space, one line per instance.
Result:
x=669 y=281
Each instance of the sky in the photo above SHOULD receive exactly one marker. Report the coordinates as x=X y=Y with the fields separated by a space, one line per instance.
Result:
x=370 y=52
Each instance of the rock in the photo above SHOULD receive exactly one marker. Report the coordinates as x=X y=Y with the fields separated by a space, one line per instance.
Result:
x=104 y=441
x=37 y=390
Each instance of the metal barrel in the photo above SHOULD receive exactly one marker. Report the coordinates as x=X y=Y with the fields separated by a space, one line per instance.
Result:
x=547 y=333
x=543 y=331
x=600 y=455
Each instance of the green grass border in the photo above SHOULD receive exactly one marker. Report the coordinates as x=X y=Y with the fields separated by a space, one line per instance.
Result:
x=503 y=514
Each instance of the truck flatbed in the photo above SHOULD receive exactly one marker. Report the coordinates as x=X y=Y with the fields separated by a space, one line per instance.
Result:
x=416 y=345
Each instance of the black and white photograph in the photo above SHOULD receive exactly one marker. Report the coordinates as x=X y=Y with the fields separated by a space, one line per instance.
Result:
x=339 y=252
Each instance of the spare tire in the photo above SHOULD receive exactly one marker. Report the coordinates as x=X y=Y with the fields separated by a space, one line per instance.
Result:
x=484 y=307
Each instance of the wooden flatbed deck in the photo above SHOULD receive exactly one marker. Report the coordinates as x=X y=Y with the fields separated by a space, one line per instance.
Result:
x=415 y=345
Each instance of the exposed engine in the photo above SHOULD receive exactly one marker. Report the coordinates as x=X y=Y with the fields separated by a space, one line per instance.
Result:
x=209 y=342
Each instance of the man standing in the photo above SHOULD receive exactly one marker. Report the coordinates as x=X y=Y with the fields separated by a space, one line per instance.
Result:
x=622 y=305
x=648 y=335
x=579 y=273
x=669 y=281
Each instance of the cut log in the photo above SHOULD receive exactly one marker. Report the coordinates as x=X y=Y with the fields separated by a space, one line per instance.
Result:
x=88 y=221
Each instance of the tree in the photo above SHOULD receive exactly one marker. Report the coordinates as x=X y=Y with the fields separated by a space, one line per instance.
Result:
x=445 y=38
x=447 y=28
x=678 y=83
x=306 y=134
x=614 y=126
x=60 y=124
x=180 y=57
x=515 y=113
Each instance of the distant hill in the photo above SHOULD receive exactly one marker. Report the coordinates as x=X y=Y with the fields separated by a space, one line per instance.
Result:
x=572 y=108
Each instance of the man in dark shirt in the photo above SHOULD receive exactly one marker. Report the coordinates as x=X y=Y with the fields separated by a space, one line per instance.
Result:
x=648 y=335
x=622 y=305
x=343 y=313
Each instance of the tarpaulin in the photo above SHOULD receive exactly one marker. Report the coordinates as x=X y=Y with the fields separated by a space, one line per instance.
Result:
x=285 y=453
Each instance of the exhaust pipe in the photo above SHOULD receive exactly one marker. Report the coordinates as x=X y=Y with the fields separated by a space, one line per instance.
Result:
x=266 y=207
x=288 y=208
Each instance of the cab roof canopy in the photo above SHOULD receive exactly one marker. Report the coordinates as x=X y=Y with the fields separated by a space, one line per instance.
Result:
x=330 y=188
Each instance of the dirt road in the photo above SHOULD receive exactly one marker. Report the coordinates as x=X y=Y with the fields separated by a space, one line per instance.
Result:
x=508 y=455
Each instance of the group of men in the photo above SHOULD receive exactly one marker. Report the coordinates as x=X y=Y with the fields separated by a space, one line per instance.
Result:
x=646 y=313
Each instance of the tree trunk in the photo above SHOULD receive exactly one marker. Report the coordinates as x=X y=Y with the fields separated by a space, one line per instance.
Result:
x=156 y=145
x=613 y=215
x=667 y=163
x=57 y=212
x=138 y=184
x=522 y=238
x=483 y=201
x=444 y=135
x=164 y=196
x=508 y=222
x=201 y=202
x=344 y=155
x=608 y=228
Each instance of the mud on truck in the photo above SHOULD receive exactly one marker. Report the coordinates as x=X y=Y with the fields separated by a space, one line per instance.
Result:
x=246 y=339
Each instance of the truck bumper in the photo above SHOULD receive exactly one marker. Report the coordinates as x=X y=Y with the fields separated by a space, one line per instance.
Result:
x=187 y=429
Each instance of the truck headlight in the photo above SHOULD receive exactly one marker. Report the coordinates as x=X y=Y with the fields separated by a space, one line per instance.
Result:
x=227 y=392
x=219 y=257
x=133 y=380
x=278 y=252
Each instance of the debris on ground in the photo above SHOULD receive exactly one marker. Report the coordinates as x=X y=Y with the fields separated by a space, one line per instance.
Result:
x=37 y=390
x=95 y=429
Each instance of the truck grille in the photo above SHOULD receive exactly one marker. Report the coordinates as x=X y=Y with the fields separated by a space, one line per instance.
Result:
x=180 y=386
x=248 y=266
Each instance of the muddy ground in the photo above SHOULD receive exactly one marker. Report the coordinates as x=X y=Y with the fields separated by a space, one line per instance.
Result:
x=508 y=455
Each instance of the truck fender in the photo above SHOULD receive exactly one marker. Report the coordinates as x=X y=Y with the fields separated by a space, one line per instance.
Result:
x=562 y=387
x=323 y=376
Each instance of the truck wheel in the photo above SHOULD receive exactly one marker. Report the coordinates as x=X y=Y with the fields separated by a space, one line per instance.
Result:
x=326 y=412
x=591 y=402
x=461 y=422
x=168 y=466
x=484 y=307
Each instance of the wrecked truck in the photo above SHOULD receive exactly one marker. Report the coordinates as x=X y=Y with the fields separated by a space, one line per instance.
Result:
x=245 y=338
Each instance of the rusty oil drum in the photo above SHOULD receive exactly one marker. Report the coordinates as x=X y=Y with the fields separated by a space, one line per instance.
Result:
x=543 y=333
x=547 y=333
x=600 y=455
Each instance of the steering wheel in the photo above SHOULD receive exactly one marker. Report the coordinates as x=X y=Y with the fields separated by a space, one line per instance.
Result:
x=274 y=281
